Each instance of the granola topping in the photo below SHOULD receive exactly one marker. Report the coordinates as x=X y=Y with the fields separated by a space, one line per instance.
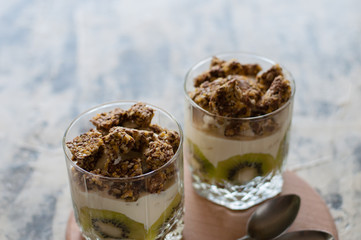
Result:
x=235 y=90
x=238 y=91
x=125 y=144
x=86 y=148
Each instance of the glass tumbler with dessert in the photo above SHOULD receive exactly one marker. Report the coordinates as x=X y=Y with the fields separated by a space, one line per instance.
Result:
x=125 y=167
x=237 y=124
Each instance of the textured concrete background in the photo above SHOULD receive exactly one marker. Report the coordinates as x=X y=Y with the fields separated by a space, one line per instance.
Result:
x=58 y=58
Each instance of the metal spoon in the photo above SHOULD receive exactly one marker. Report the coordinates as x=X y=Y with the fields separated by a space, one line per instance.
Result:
x=306 y=234
x=272 y=217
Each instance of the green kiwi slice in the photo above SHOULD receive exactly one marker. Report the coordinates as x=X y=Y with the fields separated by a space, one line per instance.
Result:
x=108 y=224
x=158 y=226
x=206 y=167
x=240 y=169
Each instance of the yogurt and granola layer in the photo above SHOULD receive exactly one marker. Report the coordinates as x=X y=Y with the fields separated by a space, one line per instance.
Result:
x=237 y=122
x=125 y=184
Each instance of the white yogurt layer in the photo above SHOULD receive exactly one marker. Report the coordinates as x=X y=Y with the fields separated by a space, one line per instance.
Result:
x=147 y=209
x=217 y=149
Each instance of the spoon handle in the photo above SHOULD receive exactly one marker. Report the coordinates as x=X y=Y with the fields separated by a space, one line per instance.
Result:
x=245 y=238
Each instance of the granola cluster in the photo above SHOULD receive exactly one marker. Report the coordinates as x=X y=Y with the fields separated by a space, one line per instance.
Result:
x=124 y=144
x=235 y=90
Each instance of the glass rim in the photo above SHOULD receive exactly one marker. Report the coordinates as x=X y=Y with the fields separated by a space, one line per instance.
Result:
x=138 y=177
x=245 y=54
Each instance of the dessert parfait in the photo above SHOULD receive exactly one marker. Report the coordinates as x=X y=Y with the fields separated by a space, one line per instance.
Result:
x=126 y=172
x=238 y=116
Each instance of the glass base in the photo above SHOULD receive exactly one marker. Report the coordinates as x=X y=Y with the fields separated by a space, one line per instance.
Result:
x=176 y=233
x=240 y=197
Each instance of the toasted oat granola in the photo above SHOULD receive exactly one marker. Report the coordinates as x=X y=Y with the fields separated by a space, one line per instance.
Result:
x=124 y=144
x=86 y=149
x=235 y=90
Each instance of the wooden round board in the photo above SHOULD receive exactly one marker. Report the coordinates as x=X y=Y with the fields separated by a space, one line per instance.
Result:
x=205 y=220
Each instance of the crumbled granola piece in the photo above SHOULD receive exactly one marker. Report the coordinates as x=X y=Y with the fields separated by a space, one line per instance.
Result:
x=227 y=100
x=216 y=62
x=170 y=171
x=99 y=171
x=125 y=168
x=202 y=95
x=155 y=128
x=251 y=69
x=86 y=149
x=117 y=142
x=86 y=144
x=209 y=76
x=263 y=126
x=141 y=138
x=216 y=71
x=170 y=137
x=204 y=77
x=248 y=91
x=89 y=181
x=269 y=76
x=94 y=182
x=235 y=128
x=233 y=67
x=155 y=183
x=140 y=115
x=278 y=93
x=105 y=121
x=128 y=191
x=157 y=154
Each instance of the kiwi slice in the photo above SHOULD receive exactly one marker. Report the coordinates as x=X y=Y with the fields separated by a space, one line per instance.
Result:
x=206 y=167
x=164 y=219
x=240 y=169
x=108 y=224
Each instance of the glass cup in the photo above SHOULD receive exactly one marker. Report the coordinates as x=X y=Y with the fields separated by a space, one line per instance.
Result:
x=127 y=208
x=239 y=171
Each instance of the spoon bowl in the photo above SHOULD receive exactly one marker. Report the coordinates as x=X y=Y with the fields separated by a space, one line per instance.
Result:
x=306 y=234
x=273 y=217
